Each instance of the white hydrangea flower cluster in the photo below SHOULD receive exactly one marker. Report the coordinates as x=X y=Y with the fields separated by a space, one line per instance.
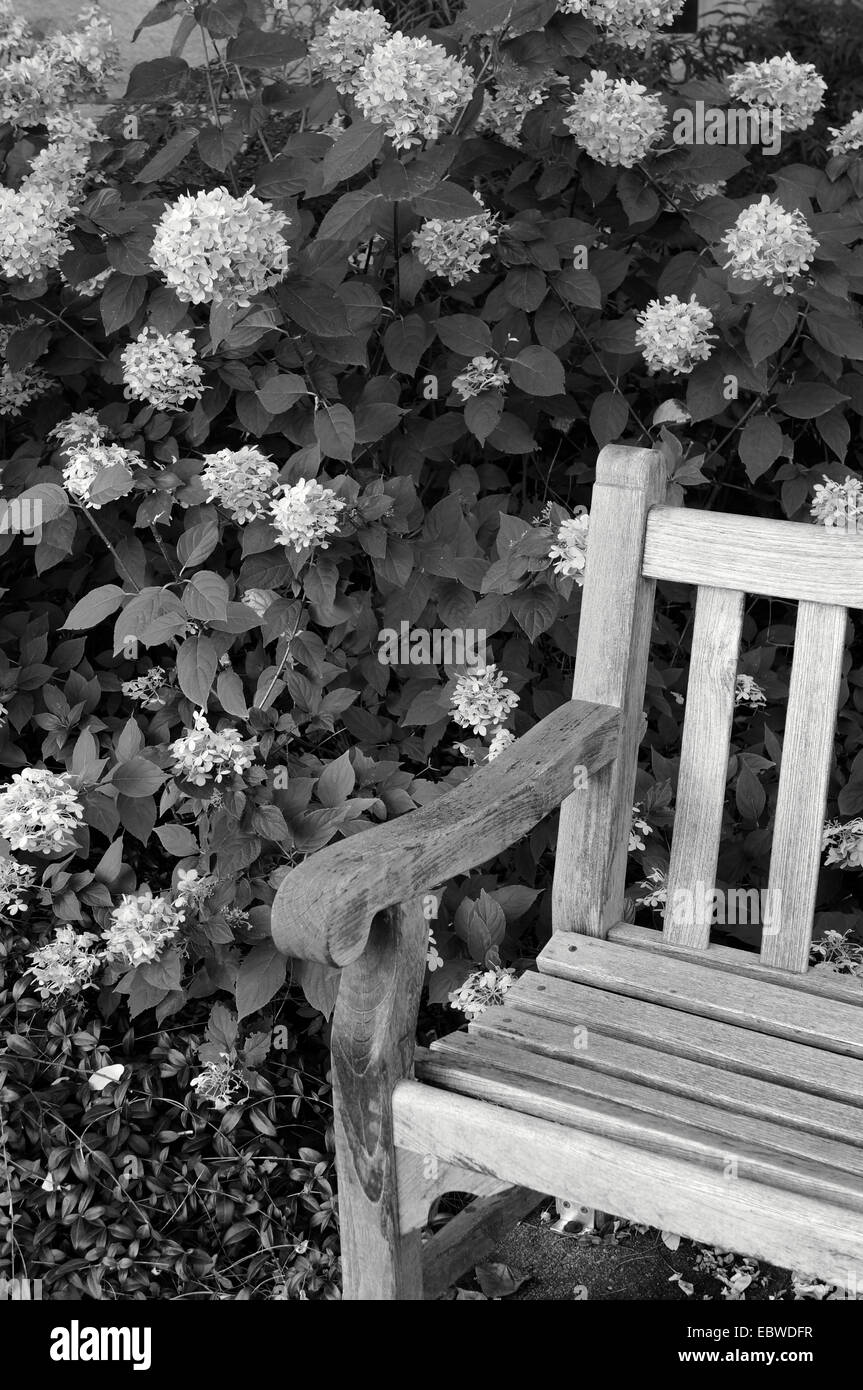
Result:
x=481 y=990
x=702 y=191
x=193 y=889
x=630 y=22
x=569 y=548
x=413 y=87
x=839 y=506
x=512 y=93
x=16 y=36
x=32 y=231
x=211 y=247
x=18 y=389
x=259 y=600
x=161 y=369
x=656 y=884
x=789 y=91
x=455 y=248
x=340 y=49
x=481 y=701
x=221 y=1083
x=242 y=480
x=482 y=374
x=501 y=740
x=140 y=927
x=305 y=515
x=208 y=755
x=848 y=137
x=639 y=829
x=87 y=456
x=65 y=965
x=147 y=688
x=615 y=121
x=49 y=74
x=15 y=879
x=748 y=692
x=844 y=843
x=673 y=335
x=769 y=244
x=39 y=811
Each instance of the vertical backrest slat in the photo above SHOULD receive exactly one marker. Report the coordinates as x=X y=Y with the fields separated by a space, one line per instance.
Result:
x=610 y=668
x=703 y=766
x=806 y=755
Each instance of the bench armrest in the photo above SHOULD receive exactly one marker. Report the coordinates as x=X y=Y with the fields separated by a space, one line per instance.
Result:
x=323 y=910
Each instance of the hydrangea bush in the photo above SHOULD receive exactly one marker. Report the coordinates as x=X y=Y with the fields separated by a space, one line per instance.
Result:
x=322 y=346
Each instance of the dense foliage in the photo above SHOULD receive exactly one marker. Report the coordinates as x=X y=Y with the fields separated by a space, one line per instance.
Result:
x=317 y=350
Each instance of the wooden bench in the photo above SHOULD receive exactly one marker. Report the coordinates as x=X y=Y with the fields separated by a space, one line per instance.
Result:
x=698 y=1088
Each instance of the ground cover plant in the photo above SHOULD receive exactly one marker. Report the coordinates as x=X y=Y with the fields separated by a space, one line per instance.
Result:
x=307 y=357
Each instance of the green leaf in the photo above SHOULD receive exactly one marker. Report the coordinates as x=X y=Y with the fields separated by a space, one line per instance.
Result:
x=137 y=778
x=405 y=341
x=771 y=322
x=197 y=543
x=197 y=662
x=353 y=151
x=349 y=216
x=158 y=78
x=177 y=840
x=838 y=334
x=259 y=979
x=579 y=287
x=535 y=610
x=448 y=201
x=465 y=333
x=760 y=445
x=168 y=157
x=280 y=392
x=525 y=288
x=538 y=371
x=336 y=782
x=26 y=345
x=120 y=300
x=608 y=416
x=335 y=431
x=94 y=607
x=206 y=597
x=218 y=145
x=112 y=483
x=257 y=48
x=315 y=308
x=231 y=695
x=482 y=414
x=807 y=399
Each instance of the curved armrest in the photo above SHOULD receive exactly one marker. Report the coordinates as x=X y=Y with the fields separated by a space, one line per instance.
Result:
x=324 y=909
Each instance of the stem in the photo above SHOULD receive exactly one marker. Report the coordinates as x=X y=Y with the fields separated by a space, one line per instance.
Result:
x=280 y=668
x=615 y=386
x=69 y=329
x=104 y=539
x=397 y=280
x=260 y=134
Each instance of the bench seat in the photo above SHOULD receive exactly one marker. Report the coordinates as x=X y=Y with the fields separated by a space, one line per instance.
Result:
x=739 y=1076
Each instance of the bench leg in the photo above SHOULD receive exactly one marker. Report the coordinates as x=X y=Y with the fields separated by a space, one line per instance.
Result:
x=372 y=1049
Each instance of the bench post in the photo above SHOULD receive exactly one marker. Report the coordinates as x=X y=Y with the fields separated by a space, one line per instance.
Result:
x=611 y=668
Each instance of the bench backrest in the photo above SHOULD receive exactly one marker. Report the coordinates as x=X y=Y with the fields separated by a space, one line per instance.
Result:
x=633 y=541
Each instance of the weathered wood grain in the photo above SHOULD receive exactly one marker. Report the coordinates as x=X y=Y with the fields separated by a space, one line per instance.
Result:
x=784 y=559
x=324 y=908
x=610 y=667
x=807 y=752
x=733 y=960
x=703 y=766
x=374 y=1025
x=695 y=989
x=573 y=1094
x=731 y=1050
x=696 y=1200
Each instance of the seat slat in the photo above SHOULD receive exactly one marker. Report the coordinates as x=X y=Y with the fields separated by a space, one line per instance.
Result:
x=761 y=1101
x=823 y=1095
x=847 y=989
x=755 y=555
x=641 y=1115
x=698 y=989
x=703 y=766
x=807 y=750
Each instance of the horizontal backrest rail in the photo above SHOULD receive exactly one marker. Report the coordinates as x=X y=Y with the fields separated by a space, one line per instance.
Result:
x=782 y=559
